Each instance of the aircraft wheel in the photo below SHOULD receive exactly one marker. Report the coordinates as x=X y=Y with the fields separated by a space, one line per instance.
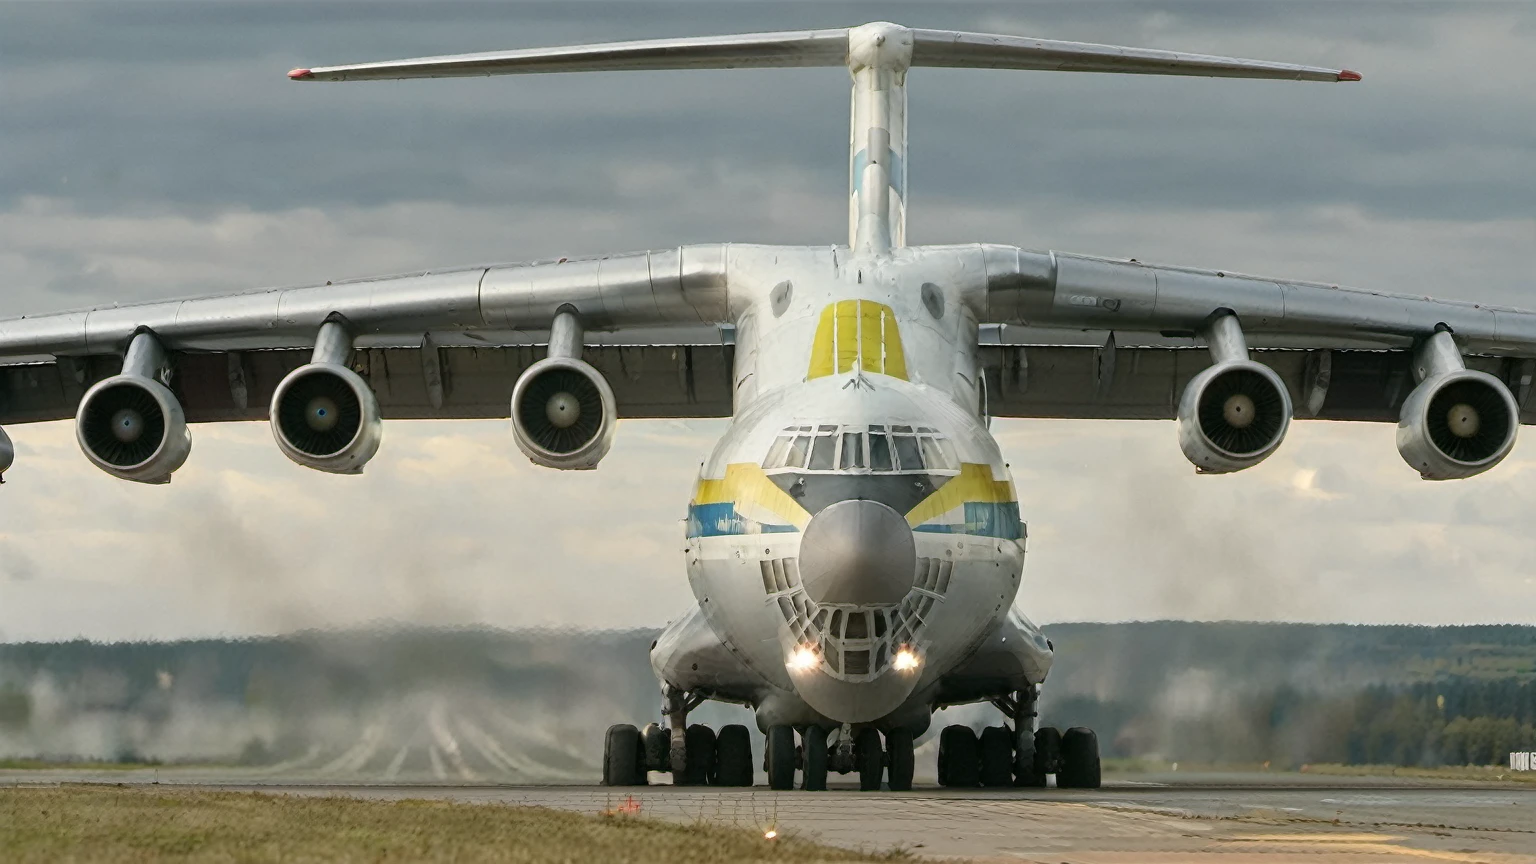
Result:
x=870 y=757
x=813 y=749
x=1048 y=752
x=621 y=757
x=657 y=745
x=898 y=742
x=1024 y=773
x=962 y=752
x=996 y=756
x=733 y=756
x=1080 y=759
x=699 y=764
x=781 y=757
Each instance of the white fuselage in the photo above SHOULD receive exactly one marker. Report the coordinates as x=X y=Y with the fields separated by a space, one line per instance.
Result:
x=856 y=380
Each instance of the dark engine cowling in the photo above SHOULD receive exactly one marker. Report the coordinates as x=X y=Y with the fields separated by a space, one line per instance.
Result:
x=7 y=454
x=134 y=428
x=1232 y=416
x=326 y=417
x=1457 y=424
x=563 y=414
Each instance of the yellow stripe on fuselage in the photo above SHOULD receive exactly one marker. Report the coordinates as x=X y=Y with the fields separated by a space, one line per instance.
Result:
x=746 y=486
x=857 y=331
x=974 y=484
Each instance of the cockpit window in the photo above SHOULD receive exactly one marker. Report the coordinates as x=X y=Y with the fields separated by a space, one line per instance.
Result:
x=880 y=452
x=876 y=448
x=853 y=451
x=908 y=457
x=822 y=451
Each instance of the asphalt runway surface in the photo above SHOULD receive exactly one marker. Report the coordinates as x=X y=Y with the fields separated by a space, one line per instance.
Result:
x=1270 y=818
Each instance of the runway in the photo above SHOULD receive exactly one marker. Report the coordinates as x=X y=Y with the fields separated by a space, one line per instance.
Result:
x=1134 y=818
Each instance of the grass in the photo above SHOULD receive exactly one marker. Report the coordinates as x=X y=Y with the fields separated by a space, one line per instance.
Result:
x=112 y=824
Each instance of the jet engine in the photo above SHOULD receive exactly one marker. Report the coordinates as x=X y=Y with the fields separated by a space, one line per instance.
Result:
x=563 y=411
x=1457 y=422
x=7 y=454
x=1234 y=414
x=324 y=415
x=131 y=425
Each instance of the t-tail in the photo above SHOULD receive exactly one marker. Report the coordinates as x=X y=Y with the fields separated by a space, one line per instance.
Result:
x=877 y=55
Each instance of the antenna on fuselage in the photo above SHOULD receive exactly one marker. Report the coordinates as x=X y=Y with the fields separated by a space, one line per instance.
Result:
x=878 y=56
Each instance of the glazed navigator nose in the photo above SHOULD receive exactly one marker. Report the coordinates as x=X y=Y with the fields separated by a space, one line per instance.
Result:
x=859 y=553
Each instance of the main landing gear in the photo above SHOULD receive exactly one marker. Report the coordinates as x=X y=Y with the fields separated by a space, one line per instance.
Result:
x=1018 y=755
x=694 y=754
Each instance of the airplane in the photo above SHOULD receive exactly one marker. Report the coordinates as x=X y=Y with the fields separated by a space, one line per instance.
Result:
x=854 y=541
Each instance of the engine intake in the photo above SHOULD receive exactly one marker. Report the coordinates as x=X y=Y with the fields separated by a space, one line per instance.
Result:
x=1236 y=413
x=563 y=411
x=1457 y=425
x=7 y=454
x=563 y=414
x=325 y=416
x=131 y=425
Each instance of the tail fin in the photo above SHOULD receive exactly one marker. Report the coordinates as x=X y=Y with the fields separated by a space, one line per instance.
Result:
x=878 y=55
x=799 y=48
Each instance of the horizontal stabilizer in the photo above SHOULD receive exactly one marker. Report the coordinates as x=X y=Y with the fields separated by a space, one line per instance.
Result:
x=988 y=51
x=799 y=48
x=747 y=51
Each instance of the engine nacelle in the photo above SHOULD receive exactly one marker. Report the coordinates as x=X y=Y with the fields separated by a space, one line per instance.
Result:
x=1232 y=416
x=132 y=427
x=7 y=454
x=563 y=414
x=1457 y=424
x=326 y=417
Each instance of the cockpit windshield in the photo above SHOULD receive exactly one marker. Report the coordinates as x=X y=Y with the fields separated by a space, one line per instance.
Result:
x=875 y=449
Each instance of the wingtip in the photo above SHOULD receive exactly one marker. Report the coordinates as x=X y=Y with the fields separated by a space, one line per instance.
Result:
x=301 y=75
x=1349 y=75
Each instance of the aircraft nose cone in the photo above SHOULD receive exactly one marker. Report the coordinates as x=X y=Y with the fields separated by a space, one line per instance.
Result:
x=857 y=552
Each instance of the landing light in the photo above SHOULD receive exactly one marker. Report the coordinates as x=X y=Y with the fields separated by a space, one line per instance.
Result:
x=804 y=657
x=905 y=660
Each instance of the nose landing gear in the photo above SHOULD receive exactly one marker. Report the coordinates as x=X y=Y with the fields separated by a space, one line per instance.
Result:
x=862 y=752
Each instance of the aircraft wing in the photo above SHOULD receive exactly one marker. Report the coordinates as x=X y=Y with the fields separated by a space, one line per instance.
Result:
x=446 y=344
x=1103 y=338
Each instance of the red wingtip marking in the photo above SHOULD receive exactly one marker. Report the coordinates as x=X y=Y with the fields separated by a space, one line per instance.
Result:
x=301 y=74
x=1348 y=75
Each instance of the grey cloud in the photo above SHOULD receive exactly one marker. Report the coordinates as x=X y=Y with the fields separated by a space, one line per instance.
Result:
x=186 y=105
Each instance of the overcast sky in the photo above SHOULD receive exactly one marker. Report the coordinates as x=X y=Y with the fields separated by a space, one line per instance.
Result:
x=158 y=150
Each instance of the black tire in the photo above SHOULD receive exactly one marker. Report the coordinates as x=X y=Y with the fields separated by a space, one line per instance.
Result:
x=621 y=756
x=733 y=756
x=962 y=756
x=813 y=750
x=1024 y=773
x=870 y=757
x=699 y=763
x=781 y=757
x=657 y=744
x=898 y=743
x=996 y=756
x=1080 y=759
x=1047 y=751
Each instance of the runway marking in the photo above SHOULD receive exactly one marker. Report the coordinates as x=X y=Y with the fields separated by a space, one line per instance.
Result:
x=1382 y=844
x=396 y=763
